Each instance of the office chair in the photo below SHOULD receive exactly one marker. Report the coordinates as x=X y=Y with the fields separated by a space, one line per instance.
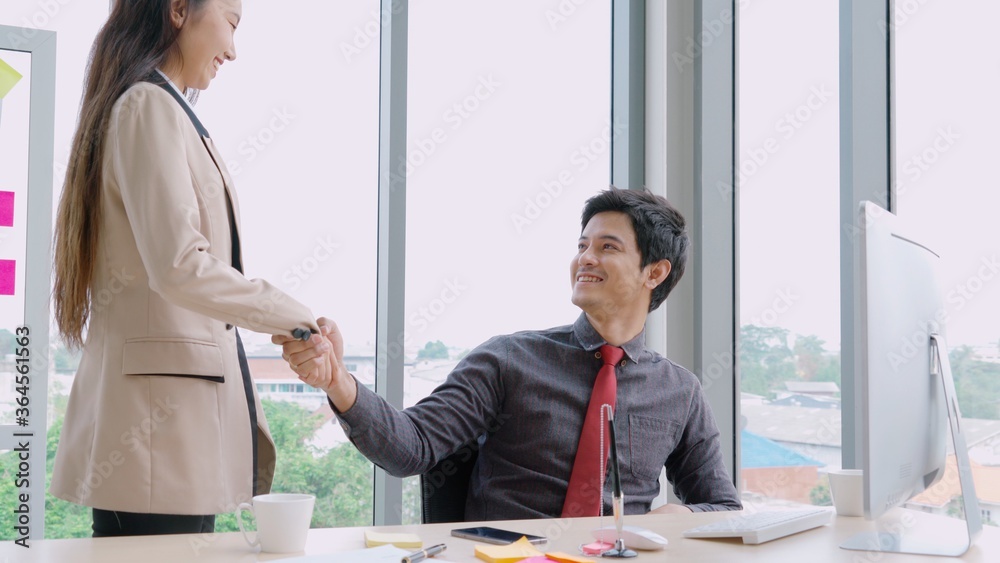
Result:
x=444 y=488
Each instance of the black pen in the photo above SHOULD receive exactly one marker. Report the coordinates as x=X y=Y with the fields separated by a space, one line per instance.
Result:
x=424 y=553
x=302 y=334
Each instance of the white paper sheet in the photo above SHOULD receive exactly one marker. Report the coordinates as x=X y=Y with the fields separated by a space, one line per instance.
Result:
x=380 y=554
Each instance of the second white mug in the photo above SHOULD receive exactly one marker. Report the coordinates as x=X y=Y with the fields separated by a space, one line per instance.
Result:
x=847 y=490
x=282 y=521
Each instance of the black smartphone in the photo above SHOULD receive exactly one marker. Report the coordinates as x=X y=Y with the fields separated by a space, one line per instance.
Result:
x=495 y=535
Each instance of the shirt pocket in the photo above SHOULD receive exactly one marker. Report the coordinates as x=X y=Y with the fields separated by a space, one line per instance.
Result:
x=178 y=357
x=650 y=442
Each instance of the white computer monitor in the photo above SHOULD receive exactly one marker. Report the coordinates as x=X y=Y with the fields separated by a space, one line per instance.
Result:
x=906 y=401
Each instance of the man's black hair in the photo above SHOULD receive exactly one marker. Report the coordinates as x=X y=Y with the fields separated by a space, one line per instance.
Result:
x=660 y=231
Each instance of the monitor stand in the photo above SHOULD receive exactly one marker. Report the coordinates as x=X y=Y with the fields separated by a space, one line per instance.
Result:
x=950 y=546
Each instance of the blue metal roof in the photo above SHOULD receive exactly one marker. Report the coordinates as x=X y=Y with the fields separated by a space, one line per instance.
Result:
x=758 y=451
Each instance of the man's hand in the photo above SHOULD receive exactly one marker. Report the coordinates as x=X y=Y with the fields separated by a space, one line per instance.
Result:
x=319 y=362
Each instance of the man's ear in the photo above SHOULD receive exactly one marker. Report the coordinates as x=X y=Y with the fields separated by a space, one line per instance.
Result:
x=178 y=12
x=656 y=273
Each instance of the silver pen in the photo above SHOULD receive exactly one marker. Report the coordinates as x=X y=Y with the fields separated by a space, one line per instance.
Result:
x=424 y=553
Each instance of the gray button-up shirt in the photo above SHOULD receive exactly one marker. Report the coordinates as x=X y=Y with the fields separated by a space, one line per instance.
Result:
x=528 y=393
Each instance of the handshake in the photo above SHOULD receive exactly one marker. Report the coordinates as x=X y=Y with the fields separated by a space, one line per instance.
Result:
x=319 y=362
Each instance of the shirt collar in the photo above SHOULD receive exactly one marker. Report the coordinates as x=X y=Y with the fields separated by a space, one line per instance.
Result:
x=591 y=340
x=176 y=89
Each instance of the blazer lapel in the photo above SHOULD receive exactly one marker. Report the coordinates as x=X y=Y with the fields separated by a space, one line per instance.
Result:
x=227 y=181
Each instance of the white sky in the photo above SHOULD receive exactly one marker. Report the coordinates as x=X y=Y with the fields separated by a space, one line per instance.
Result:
x=946 y=79
x=315 y=179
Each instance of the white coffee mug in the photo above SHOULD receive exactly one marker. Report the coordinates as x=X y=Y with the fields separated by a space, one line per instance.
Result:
x=282 y=521
x=847 y=490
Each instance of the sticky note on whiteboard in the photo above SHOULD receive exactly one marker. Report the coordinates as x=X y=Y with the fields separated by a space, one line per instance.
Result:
x=7 y=277
x=8 y=78
x=6 y=209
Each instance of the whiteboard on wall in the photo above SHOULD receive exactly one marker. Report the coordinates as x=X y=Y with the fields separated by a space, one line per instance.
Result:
x=27 y=122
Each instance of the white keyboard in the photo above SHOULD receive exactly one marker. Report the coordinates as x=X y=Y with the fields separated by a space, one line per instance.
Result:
x=760 y=527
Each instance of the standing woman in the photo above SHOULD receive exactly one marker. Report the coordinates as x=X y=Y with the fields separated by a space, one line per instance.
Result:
x=164 y=427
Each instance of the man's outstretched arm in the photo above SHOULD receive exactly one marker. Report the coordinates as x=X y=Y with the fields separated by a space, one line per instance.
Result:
x=411 y=441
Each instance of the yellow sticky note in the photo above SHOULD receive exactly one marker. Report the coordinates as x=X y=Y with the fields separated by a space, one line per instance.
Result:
x=561 y=557
x=8 y=78
x=402 y=541
x=510 y=553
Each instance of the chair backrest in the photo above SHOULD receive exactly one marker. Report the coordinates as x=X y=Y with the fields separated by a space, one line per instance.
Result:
x=444 y=488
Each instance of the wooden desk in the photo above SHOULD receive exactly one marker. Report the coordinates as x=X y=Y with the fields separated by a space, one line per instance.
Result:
x=815 y=546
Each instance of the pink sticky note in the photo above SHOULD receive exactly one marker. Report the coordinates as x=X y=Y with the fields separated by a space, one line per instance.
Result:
x=6 y=209
x=7 y=277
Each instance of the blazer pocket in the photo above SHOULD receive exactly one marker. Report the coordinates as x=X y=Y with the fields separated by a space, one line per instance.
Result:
x=178 y=357
x=650 y=442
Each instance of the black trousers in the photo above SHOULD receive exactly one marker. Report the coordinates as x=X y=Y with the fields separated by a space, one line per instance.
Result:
x=109 y=523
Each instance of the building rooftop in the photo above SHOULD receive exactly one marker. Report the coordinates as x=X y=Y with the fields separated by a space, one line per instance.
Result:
x=986 y=479
x=270 y=369
x=757 y=452
x=821 y=426
x=800 y=425
x=824 y=387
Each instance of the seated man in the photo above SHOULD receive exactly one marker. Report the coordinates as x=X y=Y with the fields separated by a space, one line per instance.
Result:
x=537 y=395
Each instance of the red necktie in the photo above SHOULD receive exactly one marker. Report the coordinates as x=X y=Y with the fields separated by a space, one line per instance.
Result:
x=583 y=497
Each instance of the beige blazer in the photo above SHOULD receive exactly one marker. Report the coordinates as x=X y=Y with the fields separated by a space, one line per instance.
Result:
x=158 y=418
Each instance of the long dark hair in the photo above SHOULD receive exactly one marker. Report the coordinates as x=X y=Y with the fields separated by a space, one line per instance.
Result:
x=136 y=40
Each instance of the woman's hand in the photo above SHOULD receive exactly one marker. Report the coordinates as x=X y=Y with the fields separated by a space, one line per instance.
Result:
x=319 y=362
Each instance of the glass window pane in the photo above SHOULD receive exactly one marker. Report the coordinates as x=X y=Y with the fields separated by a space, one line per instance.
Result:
x=302 y=149
x=296 y=119
x=508 y=133
x=789 y=248
x=76 y=24
x=946 y=144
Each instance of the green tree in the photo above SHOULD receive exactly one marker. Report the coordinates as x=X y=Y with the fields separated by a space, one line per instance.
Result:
x=977 y=384
x=809 y=357
x=62 y=519
x=830 y=369
x=433 y=351
x=820 y=494
x=8 y=342
x=65 y=360
x=765 y=359
x=341 y=478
